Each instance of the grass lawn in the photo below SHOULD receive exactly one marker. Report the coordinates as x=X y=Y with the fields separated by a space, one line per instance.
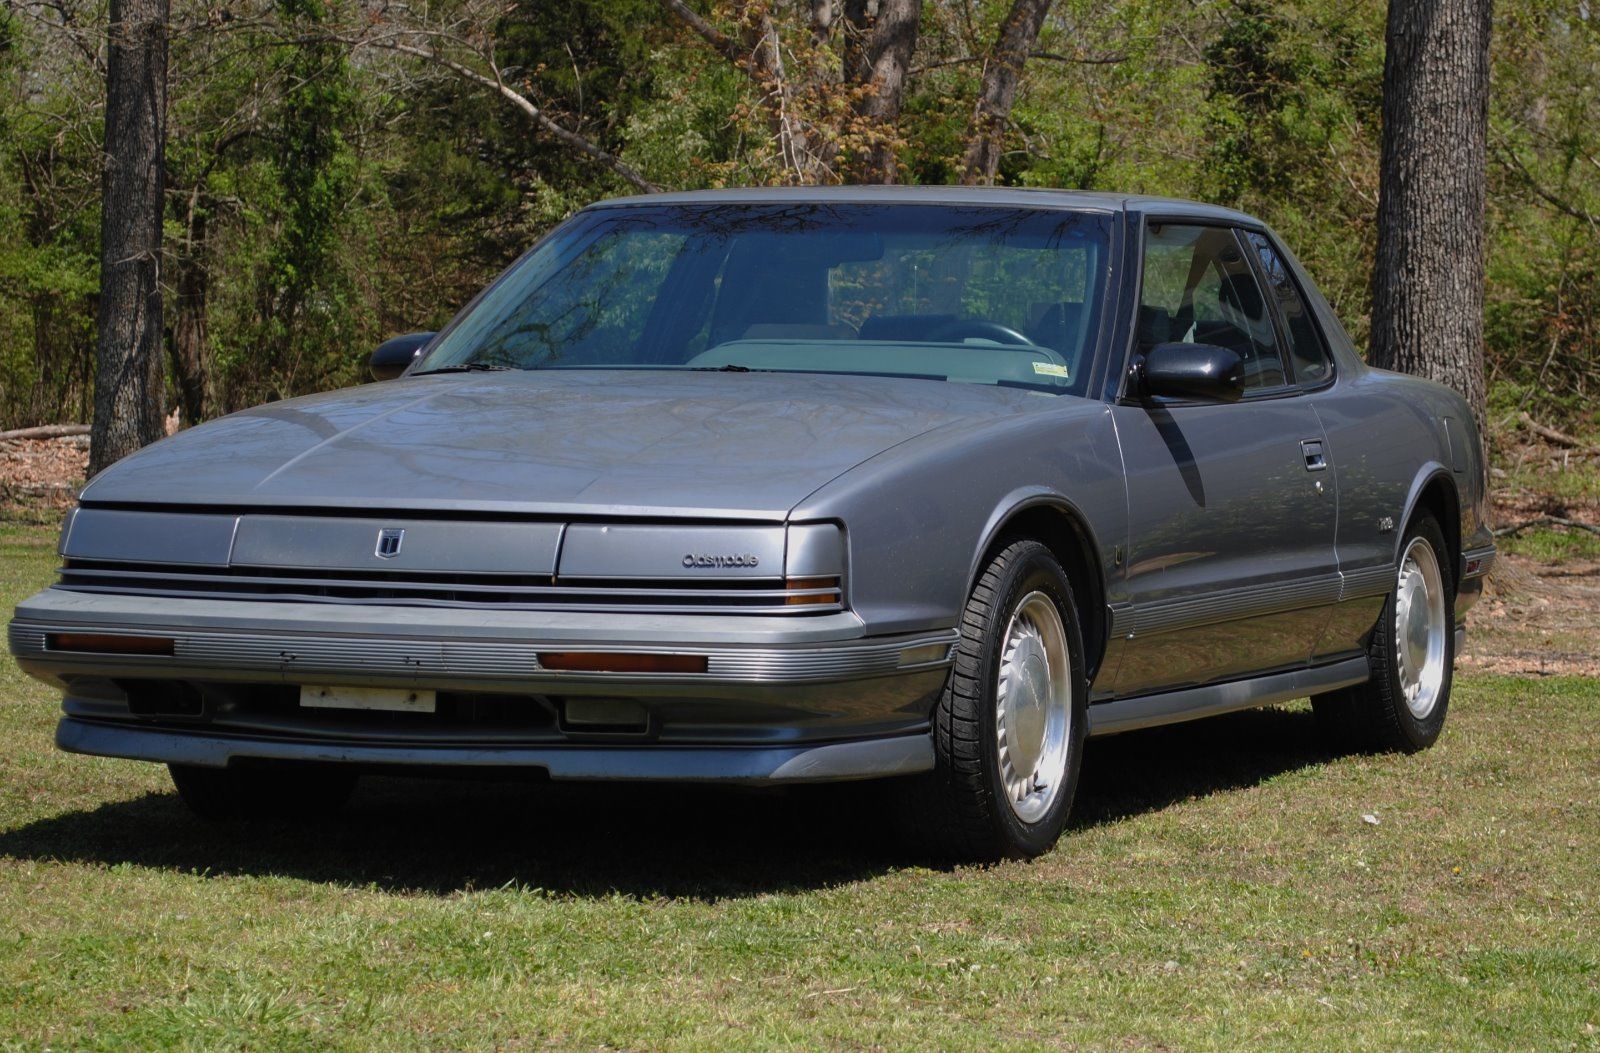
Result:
x=1219 y=889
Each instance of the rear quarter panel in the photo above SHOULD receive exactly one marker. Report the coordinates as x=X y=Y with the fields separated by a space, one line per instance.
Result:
x=1389 y=437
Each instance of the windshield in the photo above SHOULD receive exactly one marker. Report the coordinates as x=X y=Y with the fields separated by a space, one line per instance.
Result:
x=967 y=294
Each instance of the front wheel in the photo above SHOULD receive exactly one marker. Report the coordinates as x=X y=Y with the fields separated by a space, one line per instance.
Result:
x=1009 y=728
x=1411 y=654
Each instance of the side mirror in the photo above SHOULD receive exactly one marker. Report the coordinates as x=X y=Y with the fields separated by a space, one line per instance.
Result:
x=1192 y=371
x=395 y=354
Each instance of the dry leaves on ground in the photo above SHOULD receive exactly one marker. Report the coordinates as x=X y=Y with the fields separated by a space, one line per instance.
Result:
x=41 y=477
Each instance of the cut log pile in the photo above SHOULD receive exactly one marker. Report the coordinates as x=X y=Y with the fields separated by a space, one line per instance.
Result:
x=45 y=431
x=41 y=469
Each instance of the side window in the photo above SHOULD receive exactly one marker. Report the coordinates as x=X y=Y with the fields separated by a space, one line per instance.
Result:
x=1307 y=351
x=1198 y=287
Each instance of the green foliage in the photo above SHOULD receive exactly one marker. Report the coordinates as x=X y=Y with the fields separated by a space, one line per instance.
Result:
x=330 y=197
x=1258 y=87
x=304 y=293
x=1543 y=307
x=49 y=237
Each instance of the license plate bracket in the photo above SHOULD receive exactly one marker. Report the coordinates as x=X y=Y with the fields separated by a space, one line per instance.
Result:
x=383 y=699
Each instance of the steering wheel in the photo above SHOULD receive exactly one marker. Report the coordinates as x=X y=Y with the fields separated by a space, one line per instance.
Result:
x=956 y=331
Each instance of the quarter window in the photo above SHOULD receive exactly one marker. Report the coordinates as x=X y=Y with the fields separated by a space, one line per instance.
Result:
x=1307 y=352
x=1199 y=288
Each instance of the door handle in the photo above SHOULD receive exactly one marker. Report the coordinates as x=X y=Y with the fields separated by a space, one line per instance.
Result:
x=1311 y=449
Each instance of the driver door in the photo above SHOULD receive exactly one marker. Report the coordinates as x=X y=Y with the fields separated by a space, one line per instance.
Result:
x=1230 y=564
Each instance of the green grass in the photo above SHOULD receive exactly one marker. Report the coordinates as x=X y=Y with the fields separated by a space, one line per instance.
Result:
x=1551 y=545
x=1577 y=481
x=1219 y=890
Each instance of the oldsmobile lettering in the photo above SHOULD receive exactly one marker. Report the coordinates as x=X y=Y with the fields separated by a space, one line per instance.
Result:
x=745 y=559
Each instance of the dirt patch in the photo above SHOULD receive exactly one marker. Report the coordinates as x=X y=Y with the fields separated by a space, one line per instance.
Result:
x=1540 y=617
x=1537 y=620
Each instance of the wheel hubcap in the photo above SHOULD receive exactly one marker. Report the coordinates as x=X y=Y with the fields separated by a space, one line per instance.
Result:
x=1419 y=628
x=1033 y=707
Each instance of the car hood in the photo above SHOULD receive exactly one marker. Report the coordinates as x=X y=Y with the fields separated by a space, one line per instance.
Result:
x=594 y=442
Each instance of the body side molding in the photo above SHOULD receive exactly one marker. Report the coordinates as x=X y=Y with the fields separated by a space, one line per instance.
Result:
x=1368 y=581
x=1245 y=602
x=1171 y=707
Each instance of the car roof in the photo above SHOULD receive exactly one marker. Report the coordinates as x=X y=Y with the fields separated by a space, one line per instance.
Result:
x=1015 y=197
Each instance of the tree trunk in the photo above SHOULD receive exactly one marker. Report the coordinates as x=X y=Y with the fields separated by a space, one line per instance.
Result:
x=1427 y=287
x=128 y=393
x=189 y=327
x=880 y=38
x=1002 y=71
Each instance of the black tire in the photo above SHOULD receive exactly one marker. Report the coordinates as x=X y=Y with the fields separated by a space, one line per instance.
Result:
x=1374 y=716
x=959 y=810
x=269 y=791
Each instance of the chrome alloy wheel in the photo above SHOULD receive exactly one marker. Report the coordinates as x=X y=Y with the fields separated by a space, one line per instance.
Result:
x=1419 y=627
x=1033 y=707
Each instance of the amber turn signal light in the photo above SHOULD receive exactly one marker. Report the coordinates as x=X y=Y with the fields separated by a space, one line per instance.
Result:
x=620 y=662
x=808 y=587
x=109 y=643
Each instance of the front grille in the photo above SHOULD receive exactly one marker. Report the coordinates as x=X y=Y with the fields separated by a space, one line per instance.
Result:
x=499 y=591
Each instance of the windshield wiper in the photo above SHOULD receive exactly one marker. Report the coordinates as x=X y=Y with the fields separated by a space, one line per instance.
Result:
x=464 y=367
x=729 y=368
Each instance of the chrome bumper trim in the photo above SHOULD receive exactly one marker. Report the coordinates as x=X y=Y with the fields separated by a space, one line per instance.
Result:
x=294 y=656
x=872 y=758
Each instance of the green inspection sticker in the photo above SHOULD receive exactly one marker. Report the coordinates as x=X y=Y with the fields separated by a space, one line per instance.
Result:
x=1050 y=369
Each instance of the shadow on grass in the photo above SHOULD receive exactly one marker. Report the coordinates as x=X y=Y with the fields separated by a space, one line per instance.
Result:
x=443 y=835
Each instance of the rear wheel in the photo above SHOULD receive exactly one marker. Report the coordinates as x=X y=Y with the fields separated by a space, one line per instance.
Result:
x=1009 y=728
x=272 y=791
x=1411 y=654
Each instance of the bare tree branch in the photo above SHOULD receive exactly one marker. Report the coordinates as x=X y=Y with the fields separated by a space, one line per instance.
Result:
x=533 y=113
x=45 y=431
x=724 y=44
x=1560 y=521
x=1560 y=438
x=1508 y=157
x=1043 y=56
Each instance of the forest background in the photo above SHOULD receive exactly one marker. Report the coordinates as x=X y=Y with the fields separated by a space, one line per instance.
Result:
x=339 y=171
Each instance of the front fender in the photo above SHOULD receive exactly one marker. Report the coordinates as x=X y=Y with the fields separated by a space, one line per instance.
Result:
x=1022 y=500
x=919 y=517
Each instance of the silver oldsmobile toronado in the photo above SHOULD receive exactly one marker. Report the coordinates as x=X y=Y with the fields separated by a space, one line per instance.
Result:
x=783 y=486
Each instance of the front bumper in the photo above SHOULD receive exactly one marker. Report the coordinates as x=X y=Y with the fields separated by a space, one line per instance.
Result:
x=780 y=698
x=832 y=762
